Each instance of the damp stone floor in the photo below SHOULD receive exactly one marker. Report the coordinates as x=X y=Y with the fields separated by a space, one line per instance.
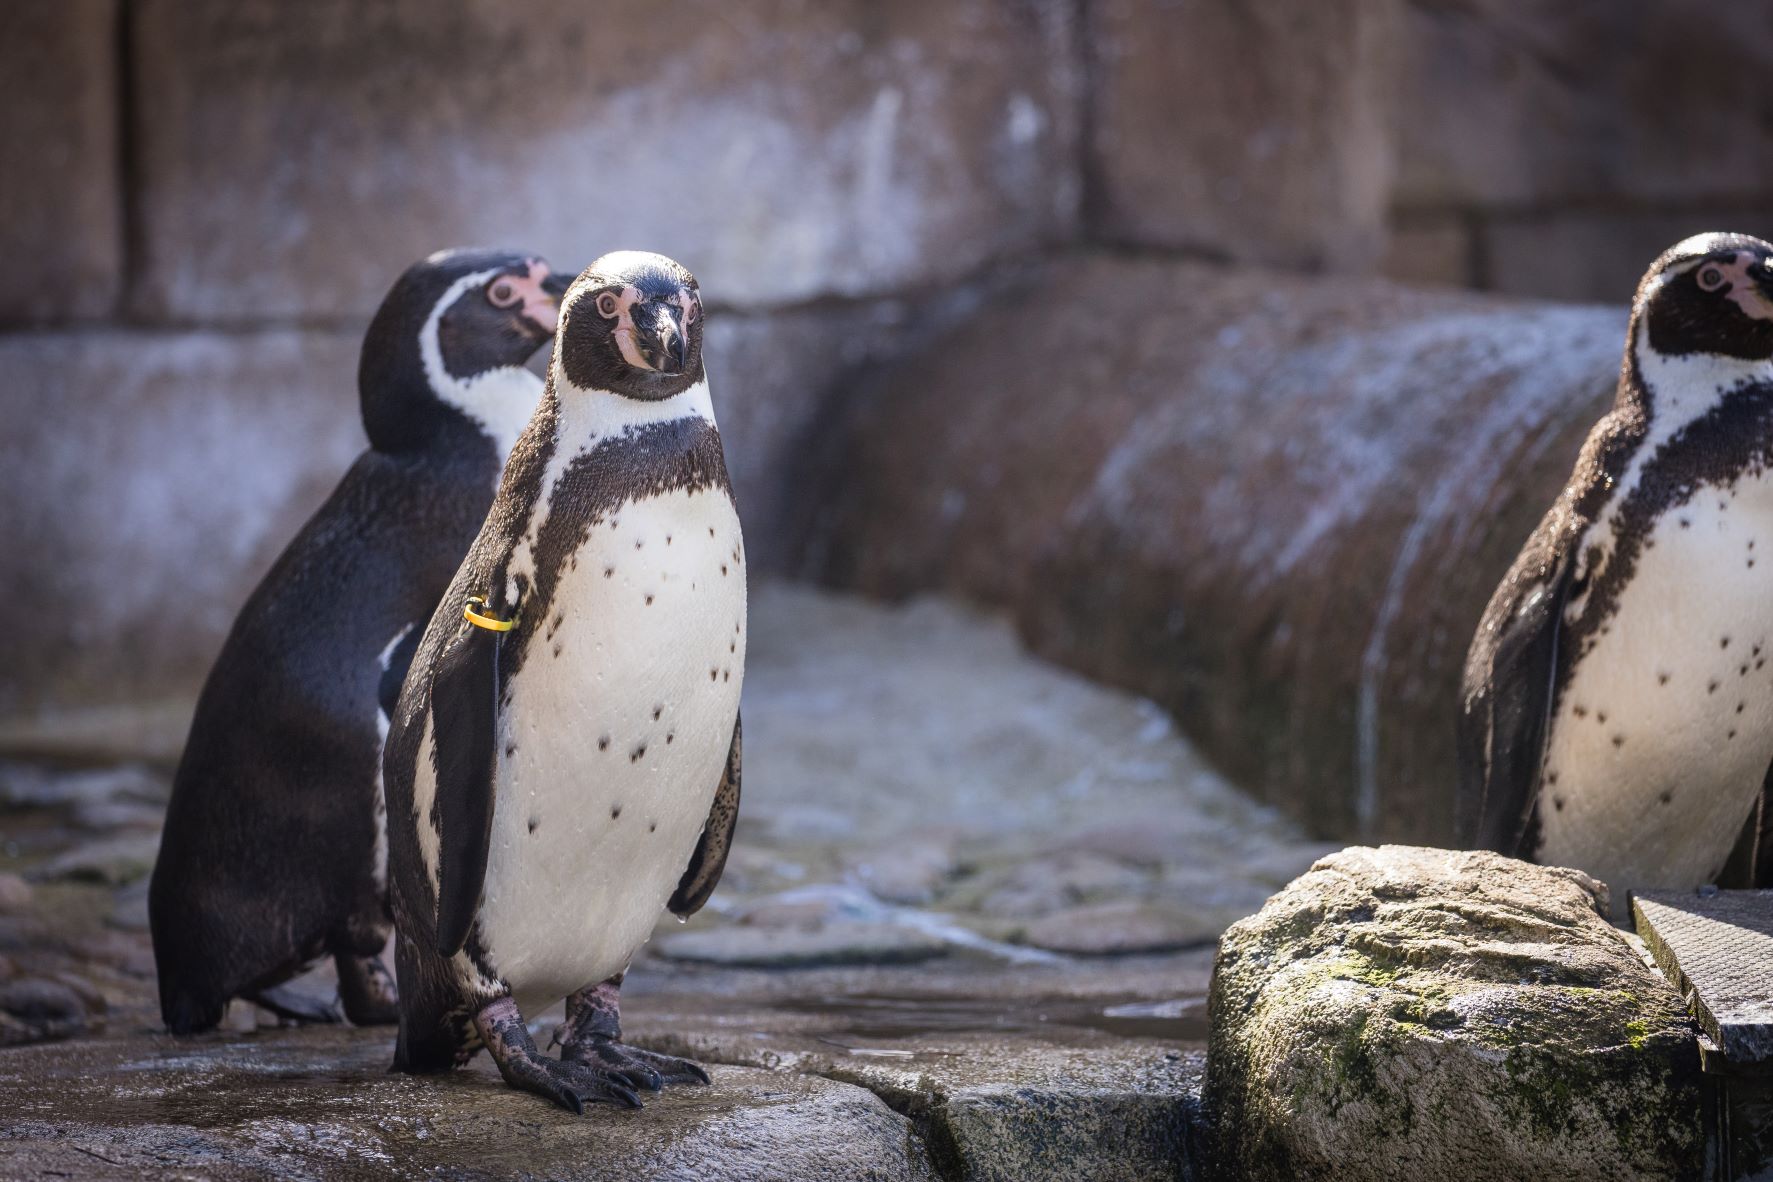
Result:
x=966 y=931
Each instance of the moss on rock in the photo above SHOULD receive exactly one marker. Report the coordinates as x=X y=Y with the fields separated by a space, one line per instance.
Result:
x=1426 y=1015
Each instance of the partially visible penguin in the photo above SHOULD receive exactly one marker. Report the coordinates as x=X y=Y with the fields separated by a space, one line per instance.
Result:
x=1618 y=699
x=564 y=761
x=273 y=854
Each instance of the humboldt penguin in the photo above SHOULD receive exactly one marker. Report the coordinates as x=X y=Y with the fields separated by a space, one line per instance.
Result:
x=1618 y=698
x=274 y=855
x=564 y=761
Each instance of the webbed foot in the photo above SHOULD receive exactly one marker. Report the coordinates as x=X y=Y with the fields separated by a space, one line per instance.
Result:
x=593 y=1035
x=570 y=1085
x=648 y=1069
x=367 y=990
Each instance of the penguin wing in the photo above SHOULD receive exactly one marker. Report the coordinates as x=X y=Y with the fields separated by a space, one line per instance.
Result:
x=706 y=864
x=464 y=730
x=1510 y=677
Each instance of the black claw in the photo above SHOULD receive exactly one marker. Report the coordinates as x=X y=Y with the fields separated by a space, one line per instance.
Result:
x=641 y=1069
x=625 y=1096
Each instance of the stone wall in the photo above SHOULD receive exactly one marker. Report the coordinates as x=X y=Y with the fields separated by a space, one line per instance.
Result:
x=205 y=199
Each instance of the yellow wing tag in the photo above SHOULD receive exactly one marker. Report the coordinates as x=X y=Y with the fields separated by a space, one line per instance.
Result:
x=473 y=612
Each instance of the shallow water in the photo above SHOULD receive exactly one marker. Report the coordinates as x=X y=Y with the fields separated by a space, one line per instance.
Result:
x=878 y=1017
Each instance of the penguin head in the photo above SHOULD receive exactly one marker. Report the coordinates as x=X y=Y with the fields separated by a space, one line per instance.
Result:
x=449 y=343
x=632 y=325
x=1711 y=294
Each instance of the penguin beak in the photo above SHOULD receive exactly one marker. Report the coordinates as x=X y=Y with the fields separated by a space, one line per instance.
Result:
x=660 y=339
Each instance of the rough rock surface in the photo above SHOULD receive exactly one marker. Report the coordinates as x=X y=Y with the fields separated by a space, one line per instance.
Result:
x=1406 y=1013
x=1254 y=131
x=1551 y=150
x=291 y=161
x=1050 y=1119
x=1523 y=105
x=61 y=208
x=1276 y=506
x=774 y=376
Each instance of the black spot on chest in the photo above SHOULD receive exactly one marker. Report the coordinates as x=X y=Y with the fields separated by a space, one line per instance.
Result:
x=1710 y=455
x=683 y=455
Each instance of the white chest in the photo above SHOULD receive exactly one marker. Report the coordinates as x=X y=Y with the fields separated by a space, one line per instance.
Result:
x=1664 y=735
x=614 y=742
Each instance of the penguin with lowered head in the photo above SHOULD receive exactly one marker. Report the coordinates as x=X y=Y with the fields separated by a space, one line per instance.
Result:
x=274 y=852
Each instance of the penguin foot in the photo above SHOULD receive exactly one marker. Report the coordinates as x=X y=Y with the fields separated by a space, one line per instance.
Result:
x=592 y=1035
x=648 y=1069
x=292 y=1005
x=367 y=990
x=570 y=1085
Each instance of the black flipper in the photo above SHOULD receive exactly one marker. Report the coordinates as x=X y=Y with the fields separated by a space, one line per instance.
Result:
x=706 y=864
x=1510 y=679
x=464 y=730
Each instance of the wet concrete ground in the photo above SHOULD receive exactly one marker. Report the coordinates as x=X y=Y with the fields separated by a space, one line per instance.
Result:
x=966 y=932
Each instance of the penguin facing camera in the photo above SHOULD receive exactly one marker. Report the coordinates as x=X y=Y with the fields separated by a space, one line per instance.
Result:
x=1618 y=697
x=564 y=761
x=274 y=853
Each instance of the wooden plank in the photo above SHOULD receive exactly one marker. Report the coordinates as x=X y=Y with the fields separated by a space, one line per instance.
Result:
x=1717 y=948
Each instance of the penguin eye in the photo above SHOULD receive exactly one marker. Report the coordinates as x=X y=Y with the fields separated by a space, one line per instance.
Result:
x=1710 y=278
x=501 y=294
x=606 y=304
x=693 y=312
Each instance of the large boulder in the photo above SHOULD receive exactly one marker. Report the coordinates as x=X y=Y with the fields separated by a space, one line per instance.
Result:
x=1277 y=506
x=1403 y=1013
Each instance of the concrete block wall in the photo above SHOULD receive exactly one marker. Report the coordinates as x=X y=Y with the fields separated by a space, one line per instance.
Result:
x=1549 y=148
x=204 y=199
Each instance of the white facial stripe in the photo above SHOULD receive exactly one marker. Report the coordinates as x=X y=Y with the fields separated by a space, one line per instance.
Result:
x=500 y=400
